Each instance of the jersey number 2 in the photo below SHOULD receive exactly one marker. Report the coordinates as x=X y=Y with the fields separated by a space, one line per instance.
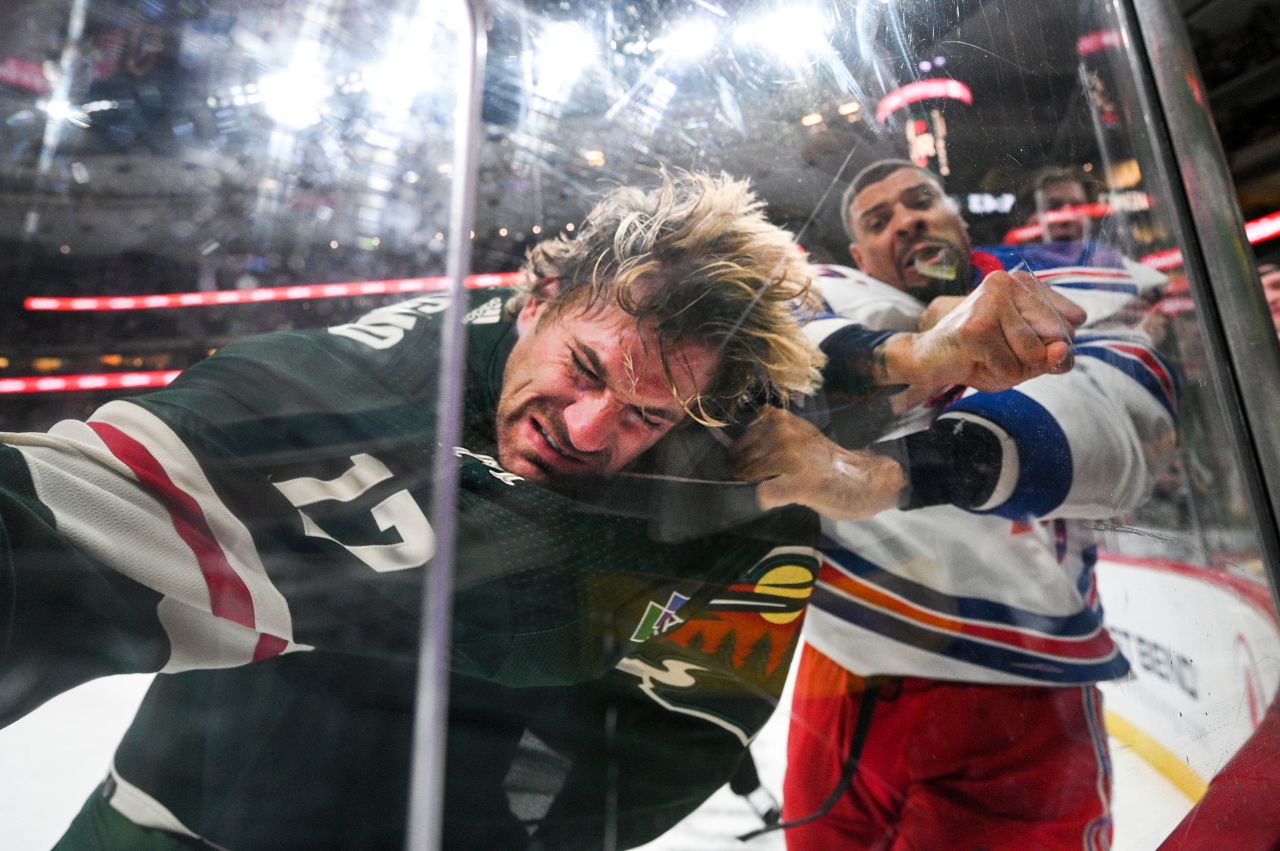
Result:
x=399 y=511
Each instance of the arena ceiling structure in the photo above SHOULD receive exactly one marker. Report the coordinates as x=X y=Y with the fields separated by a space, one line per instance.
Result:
x=784 y=94
x=165 y=137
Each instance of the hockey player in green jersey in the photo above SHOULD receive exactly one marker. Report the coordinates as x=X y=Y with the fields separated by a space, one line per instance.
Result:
x=271 y=506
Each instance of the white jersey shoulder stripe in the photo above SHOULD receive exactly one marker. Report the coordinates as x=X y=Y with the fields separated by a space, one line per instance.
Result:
x=142 y=809
x=102 y=507
x=231 y=535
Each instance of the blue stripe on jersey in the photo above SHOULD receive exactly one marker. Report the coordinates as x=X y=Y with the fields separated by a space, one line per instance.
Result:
x=1080 y=624
x=1044 y=456
x=1173 y=374
x=1127 y=289
x=1043 y=256
x=1136 y=370
x=996 y=657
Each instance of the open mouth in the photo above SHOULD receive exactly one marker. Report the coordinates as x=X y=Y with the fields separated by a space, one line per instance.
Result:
x=552 y=443
x=933 y=261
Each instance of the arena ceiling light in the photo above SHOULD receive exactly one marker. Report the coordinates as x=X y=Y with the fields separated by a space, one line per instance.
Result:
x=687 y=41
x=406 y=69
x=788 y=32
x=62 y=110
x=294 y=96
x=565 y=50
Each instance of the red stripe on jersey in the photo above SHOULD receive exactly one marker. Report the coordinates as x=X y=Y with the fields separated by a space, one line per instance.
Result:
x=229 y=597
x=268 y=646
x=1086 y=272
x=1150 y=362
x=1096 y=645
x=985 y=263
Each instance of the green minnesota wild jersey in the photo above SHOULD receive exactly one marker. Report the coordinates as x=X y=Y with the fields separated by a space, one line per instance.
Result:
x=271 y=506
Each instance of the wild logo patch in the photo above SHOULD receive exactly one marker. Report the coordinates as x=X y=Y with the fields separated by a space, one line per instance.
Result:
x=657 y=619
x=754 y=624
x=726 y=662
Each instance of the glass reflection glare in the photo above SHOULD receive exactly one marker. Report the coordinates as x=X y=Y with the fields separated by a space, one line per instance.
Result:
x=564 y=52
x=306 y=143
x=687 y=41
x=786 y=31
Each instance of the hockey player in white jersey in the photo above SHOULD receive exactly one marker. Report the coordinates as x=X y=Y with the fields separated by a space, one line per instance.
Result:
x=947 y=697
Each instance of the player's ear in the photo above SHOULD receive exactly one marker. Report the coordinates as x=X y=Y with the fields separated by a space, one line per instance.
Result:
x=545 y=290
x=541 y=293
x=855 y=251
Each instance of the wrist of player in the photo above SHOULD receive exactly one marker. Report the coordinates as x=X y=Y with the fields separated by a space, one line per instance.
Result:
x=862 y=484
x=917 y=360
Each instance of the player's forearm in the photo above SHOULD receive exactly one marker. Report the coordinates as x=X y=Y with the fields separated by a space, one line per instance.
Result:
x=897 y=361
x=861 y=360
x=880 y=369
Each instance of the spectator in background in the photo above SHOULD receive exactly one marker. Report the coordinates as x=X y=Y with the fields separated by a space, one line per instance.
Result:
x=1061 y=200
x=1270 y=274
x=1063 y=192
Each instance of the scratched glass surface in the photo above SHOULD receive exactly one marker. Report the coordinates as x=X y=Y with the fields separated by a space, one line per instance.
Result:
x=178 y=176
x=181 y=174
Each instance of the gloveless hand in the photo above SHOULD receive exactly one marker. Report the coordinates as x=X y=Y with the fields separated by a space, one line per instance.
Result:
x=1008 y=330
x=796 y=464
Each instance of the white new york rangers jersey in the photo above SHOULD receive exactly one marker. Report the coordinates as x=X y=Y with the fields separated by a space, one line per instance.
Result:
x=1005 y=593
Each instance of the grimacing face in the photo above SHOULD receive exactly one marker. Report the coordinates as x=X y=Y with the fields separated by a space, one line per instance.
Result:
x=902 y=219
x=585 y=392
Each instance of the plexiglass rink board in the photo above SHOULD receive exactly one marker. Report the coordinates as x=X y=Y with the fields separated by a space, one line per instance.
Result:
x=287 y=165
x=254 y=197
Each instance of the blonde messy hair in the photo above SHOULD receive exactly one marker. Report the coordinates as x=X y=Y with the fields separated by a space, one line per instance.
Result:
x=696 y=261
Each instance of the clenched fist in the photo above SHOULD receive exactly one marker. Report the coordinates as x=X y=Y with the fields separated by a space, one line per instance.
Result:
x=1010 y=329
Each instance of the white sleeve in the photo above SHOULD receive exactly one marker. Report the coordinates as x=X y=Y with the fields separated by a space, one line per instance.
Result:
x=852 y=298
x=125 y=491
x=1105 y=293
x=1088 y=444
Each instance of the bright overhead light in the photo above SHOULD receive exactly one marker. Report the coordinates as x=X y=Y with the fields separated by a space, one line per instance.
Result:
x=565 y=50
x=62 y=110
x=687 y=41
x=293 y=97
x=406 y=68
x=812 y=119
x=785 y=32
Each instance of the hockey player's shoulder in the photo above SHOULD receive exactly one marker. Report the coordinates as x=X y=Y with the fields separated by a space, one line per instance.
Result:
x=858 y=296
x=386 y=326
